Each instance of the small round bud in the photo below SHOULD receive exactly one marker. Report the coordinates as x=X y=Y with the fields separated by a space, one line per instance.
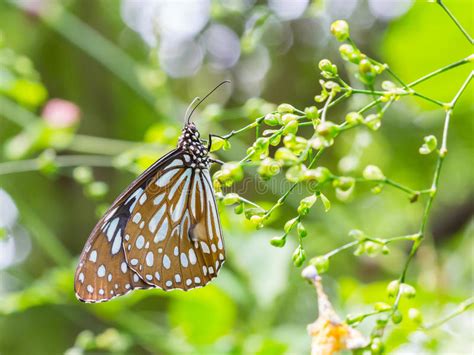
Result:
x=217 y=143
x=407 y=290
x=285 y=155
x=306 y=204
x=327 y=129
x=299 y=256
x=285 y=108
x=357 y=234
x=278 y=242
x=302 y=232
x=376 y=346
x=397 y=317
x=47 y=162
x=350 y=54
x=271 y=119
x=354 y=118
x=392 y=288
x=288 y=117
x=290 y=224
x=367 y=72
x=291 y=127
x=230 y=199
x=321 y=263
x=268 y=168
x=344 y=183
x=373 y=172
x=257 y=220
x=373 y=121
x=311 y=112
x=239 y=209
x=322 y=174
x=340 y=30
x=429 y=146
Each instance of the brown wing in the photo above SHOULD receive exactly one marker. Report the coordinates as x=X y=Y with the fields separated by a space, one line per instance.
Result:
x=103 y=272
x=174 y=239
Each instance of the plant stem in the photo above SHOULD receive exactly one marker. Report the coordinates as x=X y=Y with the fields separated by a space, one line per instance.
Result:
x=441 y=70
x=94 y=145
x=16 y=113
x=455 y=20
x=62 y=161
x=462 y=307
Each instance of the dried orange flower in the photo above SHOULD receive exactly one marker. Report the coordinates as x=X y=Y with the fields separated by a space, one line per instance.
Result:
x=329 y=334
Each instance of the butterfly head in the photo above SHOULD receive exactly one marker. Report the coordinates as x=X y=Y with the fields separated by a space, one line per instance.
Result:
x=190 y=142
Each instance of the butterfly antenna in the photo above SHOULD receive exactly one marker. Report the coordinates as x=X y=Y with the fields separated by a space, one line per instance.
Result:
x=186 y=115
x=204 y=98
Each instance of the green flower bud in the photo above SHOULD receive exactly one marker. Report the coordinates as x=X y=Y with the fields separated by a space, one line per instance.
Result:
x=377 y=188
x=295 y=143
x=332 y=86
x=234 y=170
x=306 y=204
x=407 y=290
x=275 y=140
x=344 y=183
x=322 y=174
x=230 y=199
x=372 y=248
x=382 y=306
x=296 y=173
x=429 y=146
x=271 y=119
x=285 y=108
x=288 y=117
x=257 y=221
x=83 y=175
x=290 y=224
x=354 y=118
x=291 y=127
x=415 y=315
x=326 y=202
x=340 y=30
x=311 y=112
x=47 y=162
x=302 y=232
x=285 y=155
x=328 y=70
x=357 y=234
x=367 y=72
x=373 y=172
x=278 y=242
x=299 y=256
x=385 y=250
x=373 y=121
x=392 y=288
x=327 y=129
x=239 y=209
x=217 y=143
x=96 y=190
x=397 y=317
x=388 y=85
x=350 y=54
x=268 y=168
x=321 y=263
x=376 y=346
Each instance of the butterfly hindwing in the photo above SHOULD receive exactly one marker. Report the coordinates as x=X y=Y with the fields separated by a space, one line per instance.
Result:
x=174 y=239
x=103 y=272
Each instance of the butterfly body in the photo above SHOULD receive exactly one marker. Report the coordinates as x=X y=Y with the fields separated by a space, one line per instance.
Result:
x=162 y=232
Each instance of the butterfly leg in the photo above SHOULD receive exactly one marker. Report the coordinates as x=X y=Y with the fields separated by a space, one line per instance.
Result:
x=217 y=161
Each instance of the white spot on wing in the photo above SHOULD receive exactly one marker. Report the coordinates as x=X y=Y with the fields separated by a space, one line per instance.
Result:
x=166 y=262
x=112 y=228
x=166 y=178
x=192 y=256
x=93 y=256
x=156 y=219
x=101 y=271
x=149 y=258
x=161 y=234
x=117 y=244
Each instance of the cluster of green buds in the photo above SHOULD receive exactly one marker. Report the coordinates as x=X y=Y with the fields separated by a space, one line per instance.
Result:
x=368 y=68
x=229 y=173
x=328 y=88
x=368 y=245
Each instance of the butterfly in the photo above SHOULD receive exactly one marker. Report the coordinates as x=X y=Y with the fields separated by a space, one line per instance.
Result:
x=162 y=232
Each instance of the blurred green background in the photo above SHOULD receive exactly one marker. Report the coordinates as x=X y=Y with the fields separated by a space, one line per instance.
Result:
x=125 y=71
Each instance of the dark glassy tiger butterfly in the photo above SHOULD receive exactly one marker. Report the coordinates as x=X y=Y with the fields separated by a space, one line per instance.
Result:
x=163 y=231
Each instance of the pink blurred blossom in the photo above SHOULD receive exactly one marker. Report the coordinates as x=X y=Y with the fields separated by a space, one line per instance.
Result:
x=60 y=113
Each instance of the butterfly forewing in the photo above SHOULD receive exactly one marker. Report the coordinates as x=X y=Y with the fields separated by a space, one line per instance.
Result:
x=163 y=231
x=174 y=240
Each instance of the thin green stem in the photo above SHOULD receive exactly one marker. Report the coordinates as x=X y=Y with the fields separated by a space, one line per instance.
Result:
x=61 y=161
x=16 y=113
x=462 y=307
x=99 y=145
x=455 y=20
x=441 y=70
